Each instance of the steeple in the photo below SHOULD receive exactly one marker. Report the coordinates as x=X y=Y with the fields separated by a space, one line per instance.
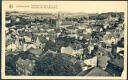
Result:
x=58 y=20
x=38 y=41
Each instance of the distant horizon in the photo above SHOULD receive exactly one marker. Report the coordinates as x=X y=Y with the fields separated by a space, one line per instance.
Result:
x=63 y=12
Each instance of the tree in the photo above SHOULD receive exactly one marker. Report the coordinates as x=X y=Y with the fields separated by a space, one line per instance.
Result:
x=10 y=68
x=52 y=64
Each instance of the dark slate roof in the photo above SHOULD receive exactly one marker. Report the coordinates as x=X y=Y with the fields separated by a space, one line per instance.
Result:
x=119 y=61
x=97 y=72
x=115 y=67
x=35 y=51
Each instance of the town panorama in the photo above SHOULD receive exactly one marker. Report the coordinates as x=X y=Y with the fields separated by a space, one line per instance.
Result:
x=64 y=44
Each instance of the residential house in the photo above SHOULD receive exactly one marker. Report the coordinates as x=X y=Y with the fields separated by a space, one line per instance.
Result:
x=17 y=19
x=92 y=62
x=37 y=52
x=8 y=21
x=68 y=50
x=11 y=47
x=27 y=39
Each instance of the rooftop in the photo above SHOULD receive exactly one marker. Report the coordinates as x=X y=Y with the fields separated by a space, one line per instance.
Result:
x=97 y=72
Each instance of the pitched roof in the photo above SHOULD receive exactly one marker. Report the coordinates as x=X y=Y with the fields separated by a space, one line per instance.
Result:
x=35 y=51
x=97 y=72
x=118 y=61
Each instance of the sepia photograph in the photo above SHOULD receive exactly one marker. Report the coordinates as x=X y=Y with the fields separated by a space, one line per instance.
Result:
x=64 y=43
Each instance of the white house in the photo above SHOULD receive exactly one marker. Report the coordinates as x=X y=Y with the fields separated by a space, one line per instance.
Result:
x=92 y=61
x=12 y=47
x=8 y=21
x=27 y=39
x=120 y=49
x=17 y=19
x=90 y=48
x=68 y=50
x=31 y=46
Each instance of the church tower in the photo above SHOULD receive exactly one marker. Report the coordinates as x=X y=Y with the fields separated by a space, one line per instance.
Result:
x=58 y=20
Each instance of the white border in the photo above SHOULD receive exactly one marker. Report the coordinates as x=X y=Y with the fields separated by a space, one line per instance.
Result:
x=97 y=6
